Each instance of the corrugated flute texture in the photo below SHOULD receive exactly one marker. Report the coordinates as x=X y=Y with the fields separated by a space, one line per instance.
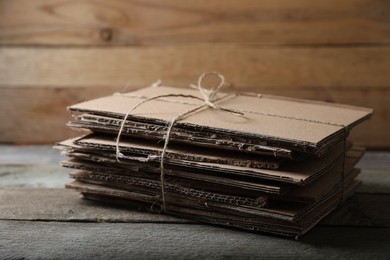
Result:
x=213 y=157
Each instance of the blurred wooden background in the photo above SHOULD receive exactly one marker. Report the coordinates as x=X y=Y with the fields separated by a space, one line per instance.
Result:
x=58 y=52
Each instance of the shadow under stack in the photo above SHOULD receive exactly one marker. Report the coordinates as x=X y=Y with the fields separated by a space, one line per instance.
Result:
x=280 y=168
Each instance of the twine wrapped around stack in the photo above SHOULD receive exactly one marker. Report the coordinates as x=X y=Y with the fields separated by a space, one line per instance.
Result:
x=250 y=161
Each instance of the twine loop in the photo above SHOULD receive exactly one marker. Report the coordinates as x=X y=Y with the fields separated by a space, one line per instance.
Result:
x=209 y=97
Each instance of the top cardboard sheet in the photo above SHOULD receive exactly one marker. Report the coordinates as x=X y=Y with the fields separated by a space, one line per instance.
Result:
x=303 y=125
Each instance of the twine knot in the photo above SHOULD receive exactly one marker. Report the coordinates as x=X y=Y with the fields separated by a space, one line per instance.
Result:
x=209 y=95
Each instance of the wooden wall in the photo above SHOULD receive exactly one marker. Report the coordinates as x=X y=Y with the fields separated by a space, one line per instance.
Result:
x=58 y=52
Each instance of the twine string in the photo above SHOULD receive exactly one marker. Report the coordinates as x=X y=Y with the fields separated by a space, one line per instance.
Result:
x=208 y=100
x=118 y=154
x=346 y=132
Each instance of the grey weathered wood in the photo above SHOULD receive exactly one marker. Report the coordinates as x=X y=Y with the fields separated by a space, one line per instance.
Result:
x=11 y=154
x=375 y=181
x=33 y=240
x=375 y=160
x=375 y=172
x=69 y=227
x=364 y=210
x=37 y=175
x=67 y=205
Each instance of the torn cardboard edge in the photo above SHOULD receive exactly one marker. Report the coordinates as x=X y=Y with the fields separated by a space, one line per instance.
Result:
x=259 y=223
x=150 y=151
x=292 y=172
x=250 y=186
x=311 y=192
x=100 y=124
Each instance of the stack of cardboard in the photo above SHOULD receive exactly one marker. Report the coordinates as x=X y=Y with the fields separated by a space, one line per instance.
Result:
x=279 y=165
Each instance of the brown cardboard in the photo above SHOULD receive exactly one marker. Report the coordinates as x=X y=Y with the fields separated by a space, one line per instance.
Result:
x=103 y=124
x=322 y=185
x=280 y=166
x=312 y=192
x=274 y=121
x=258 y=223
x=213 y=182
x=292 y=172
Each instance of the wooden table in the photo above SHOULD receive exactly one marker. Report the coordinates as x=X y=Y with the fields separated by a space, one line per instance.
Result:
x=40 y=219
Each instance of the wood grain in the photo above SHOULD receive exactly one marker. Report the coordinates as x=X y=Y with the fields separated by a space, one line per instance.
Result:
x=33 y=176
x=246 y=66
x=34 y=115
x=45 y=204
x=293 y=48
x=49 y=79
x=152 y=22
x=55 y=240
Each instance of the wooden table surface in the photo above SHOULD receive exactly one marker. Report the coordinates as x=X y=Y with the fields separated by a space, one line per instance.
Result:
x=40 y=219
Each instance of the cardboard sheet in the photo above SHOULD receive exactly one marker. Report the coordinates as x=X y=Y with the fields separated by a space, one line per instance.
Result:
x=292 y=172
x=102 y=124
x=300 y=125
x=202 y=211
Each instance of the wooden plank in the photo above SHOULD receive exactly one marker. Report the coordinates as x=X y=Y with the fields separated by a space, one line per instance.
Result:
x=375 y=161
x=344 y=75
x=375 y=181
x=67 y=205
x=364 y=210
x=33 y=176
x=41 y=120
x=55 y=240
x=375 y=174
x=246 y=66
x=31 y=116
x=29 y=154
x=154 y=22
